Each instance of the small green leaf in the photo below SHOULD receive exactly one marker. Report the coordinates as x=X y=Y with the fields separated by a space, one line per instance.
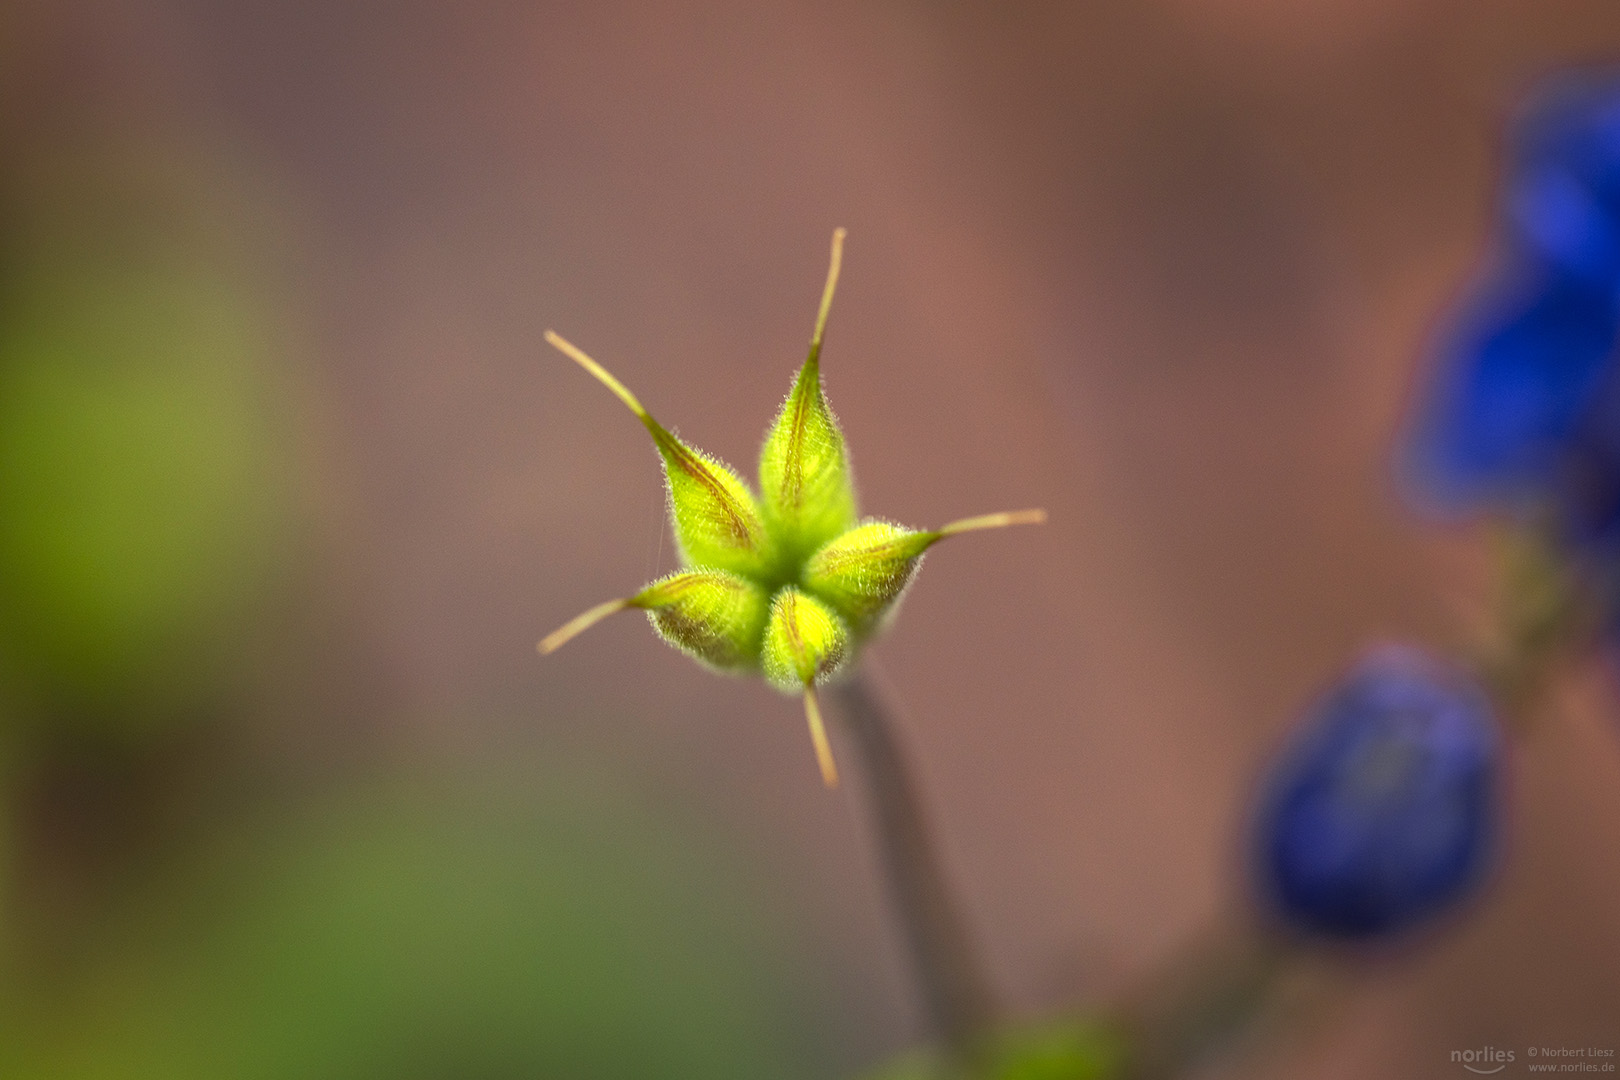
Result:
x=805 y=641
x=1077 y=1049
x=716 y=519
x=863 y=572
x=804 y=476
x=1067 y=1051
x=712 y=616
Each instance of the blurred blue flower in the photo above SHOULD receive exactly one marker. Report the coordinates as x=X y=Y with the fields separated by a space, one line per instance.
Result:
x=1382 y=810
x=1563 y=198
x=1523 y=414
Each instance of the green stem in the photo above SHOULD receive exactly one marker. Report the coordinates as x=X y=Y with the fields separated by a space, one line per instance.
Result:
x=956 y=992
x=1208 y=998
x=1542 y=610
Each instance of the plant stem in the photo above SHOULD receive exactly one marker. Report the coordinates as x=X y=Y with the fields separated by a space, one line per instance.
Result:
x=1207 y=998
x=955 y=990
x=1542 y=609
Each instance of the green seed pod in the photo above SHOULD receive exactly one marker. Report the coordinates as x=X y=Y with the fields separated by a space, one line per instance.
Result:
x=712 y=616
x=805 y=641
x=863 y=573
x=717 y=522
x=804 y=476
x=790 y=583
x=716 y=519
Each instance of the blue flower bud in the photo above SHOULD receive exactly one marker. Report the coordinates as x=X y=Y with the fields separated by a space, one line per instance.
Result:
x=1382 y=811
x=1516 y=417
x=1562 y=202
x=1523 y=415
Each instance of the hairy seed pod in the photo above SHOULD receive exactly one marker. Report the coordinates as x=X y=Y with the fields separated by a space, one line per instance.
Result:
x=804 y=476
x=787 y=583
x=805 y=641
x=863 y=573
x=710 y=615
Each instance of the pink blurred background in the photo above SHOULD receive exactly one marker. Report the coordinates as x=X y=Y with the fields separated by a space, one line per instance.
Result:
x=1167 y=268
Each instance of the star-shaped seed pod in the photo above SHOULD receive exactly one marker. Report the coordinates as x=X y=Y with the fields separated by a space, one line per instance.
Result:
x=789 y=584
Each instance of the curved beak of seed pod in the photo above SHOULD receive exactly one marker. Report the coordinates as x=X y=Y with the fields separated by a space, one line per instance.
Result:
x=818 y=738
x=579 y=624
x=994 y=521
x=716 y=519
x=714 y=617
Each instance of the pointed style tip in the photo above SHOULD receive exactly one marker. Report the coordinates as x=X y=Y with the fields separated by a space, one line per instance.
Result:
x=600 y=373
x=818 y=736
x=834 y=265
x=994 y=521
x=578 y=625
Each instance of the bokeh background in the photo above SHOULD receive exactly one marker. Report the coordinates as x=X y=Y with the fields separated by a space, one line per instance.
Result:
x=290 y=485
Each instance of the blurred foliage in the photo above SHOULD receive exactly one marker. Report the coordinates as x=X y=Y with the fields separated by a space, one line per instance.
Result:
x=1065 y=1050
x=144 y=476
x=434 y=928
x=431 y=928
